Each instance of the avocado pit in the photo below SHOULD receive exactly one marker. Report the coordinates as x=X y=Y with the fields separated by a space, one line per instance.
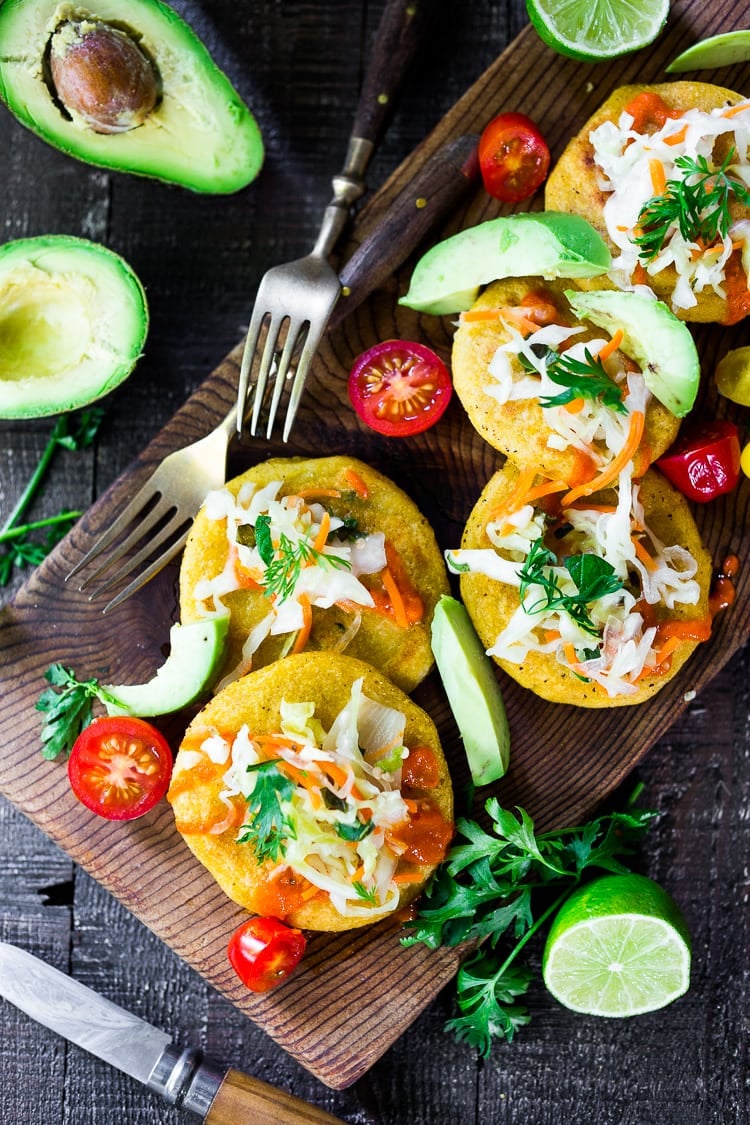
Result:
x=101 y=76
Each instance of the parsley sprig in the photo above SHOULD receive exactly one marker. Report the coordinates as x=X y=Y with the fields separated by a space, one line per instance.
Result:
x=582 y=378
x=20 y=548
x=501 y=882
x=269 y=825
x=696 y=203
x=67 y=706
x=592 y=575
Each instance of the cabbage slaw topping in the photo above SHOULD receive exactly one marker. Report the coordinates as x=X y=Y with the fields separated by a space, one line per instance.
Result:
x=622 y=646
x=593 y=428
x=343 y=810
x=625 y=159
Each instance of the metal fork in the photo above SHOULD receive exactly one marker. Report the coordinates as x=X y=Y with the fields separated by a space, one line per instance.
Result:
x=156 y=521
x=295 y=300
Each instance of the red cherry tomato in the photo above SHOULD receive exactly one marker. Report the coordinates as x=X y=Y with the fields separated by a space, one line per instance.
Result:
x=513 y=157
x=704 y=462
x=399 y=388
x=120 y=767
x=263 y=952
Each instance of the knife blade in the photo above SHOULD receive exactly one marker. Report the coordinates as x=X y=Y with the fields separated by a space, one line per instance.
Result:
x=221 y=1096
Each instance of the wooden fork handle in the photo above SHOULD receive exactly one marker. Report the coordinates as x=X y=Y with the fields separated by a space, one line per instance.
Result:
x=241 y=1098
x=393 y=50
x=426 y=201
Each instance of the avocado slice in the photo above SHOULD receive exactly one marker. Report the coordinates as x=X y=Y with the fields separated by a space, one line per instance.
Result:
x=73 y=322
x=473 y=691
x=660 y=344
x=196 y=651
x=547 y=244
x=178 y=119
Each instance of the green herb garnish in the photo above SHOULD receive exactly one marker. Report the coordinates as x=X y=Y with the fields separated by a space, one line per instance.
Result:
x=270 y=825
x=593 y=576
x=263 y=539
x=697 y=204
x=22 y=549
x=363 y=893
x=582 y=378
x=283 y=570
x=490 y=885
x=354 y=832
x=67 y=707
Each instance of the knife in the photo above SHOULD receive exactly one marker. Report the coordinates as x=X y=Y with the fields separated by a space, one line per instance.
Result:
x=69 y=1008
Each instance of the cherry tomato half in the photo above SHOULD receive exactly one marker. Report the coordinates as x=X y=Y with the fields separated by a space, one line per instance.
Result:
x=263 y=952
x=399 y=388
x=704 y=462
x=513 y=157
x=120 y=767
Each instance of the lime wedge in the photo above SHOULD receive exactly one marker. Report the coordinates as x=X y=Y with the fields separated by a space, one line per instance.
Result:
x=592 y=30
x=618 y=947
x=733 y=376
x=710 y=54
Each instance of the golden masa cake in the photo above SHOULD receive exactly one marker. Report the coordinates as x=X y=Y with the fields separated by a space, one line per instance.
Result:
x=316 y=791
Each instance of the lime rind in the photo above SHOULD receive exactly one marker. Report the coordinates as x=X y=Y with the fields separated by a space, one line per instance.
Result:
x=712 y=53
x=595 y=30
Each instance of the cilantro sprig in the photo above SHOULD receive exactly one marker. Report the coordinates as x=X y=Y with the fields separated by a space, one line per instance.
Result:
x=696 y=203
x=270 y=825
x=67 y=706
x=500 y=882
x=582 y=378
x=593 y=576
x=20 y=547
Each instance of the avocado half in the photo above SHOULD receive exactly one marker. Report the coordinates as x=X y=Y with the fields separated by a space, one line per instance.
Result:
x=199 y=133
x=73 y=322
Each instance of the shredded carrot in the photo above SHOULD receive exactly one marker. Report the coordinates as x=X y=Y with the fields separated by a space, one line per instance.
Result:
x=642 y=553
x=303 y=635
x=359 y=486
x=612 y=346
x=397 y=602
x=569 y=653
x=612 y=470
x=575 y=406
x=340 y=777
x=320 y=539
x=658 y=176
x=676 y=138
x=521 y=320
x=310 y=892
x=357 y=875
x=670 y=645
x=475 y=316
x=404 y=878
x=546 y=488
x=551 y=634
x=733 y=110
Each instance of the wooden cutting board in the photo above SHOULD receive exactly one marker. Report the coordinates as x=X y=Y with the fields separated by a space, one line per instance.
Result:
x=356 y=993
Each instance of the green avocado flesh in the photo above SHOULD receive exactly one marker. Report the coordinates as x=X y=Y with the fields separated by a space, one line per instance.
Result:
x=200 y=134
x=660 y=344
x=547 y=244
x=189 y=670
x=473 y=691
x=73 y=322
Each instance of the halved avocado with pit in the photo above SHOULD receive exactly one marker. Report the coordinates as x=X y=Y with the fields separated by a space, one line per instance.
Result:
x=126 y=85
x=73 y=322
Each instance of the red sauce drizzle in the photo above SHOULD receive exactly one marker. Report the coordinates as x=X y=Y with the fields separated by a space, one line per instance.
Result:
x=723 y=590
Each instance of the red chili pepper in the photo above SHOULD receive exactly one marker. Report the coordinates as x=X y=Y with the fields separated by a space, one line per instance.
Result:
x=704 y=462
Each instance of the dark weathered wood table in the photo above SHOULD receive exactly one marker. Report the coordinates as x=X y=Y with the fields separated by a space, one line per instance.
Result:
x=298 y=64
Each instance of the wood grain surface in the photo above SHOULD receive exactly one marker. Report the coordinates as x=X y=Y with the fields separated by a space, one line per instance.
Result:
x=356 y=995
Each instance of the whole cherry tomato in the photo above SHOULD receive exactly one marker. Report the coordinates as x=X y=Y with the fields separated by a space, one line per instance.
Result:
x=399 y=388
x=263 y=952
x=120 y=767
x=704 y=462
x=513 y=157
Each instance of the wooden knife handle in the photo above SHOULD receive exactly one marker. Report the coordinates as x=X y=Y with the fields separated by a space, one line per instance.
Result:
x=395 y=44
x=427 y=199
x=242 y=1100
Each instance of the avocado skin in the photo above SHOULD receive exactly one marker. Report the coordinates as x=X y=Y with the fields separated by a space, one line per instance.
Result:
x=209 y=142
x=473 y=691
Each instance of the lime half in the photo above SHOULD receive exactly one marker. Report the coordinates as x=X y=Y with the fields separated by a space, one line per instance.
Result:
x=592 y=30
x=618 y=947
x=710 y=54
